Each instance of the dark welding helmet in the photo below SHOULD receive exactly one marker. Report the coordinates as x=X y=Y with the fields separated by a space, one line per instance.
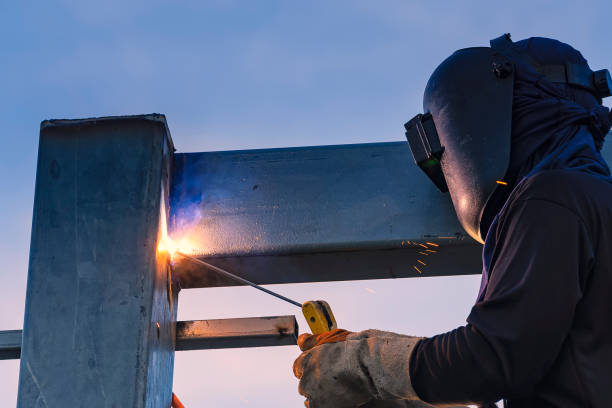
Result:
x=462 y=141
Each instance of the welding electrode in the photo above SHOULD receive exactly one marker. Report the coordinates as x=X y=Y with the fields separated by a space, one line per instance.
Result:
x=317 y=313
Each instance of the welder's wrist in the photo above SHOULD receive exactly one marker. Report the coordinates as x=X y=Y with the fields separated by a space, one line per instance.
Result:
x=412 y=370
x=385 y=359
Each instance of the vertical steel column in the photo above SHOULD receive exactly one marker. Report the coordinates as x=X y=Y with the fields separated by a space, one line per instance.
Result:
x=100 y=307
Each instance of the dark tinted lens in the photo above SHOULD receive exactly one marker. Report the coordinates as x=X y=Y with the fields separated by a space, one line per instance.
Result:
x=425 y=147
x=433 y=169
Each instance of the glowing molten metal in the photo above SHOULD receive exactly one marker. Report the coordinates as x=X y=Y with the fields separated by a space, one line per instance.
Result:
x=166 y=244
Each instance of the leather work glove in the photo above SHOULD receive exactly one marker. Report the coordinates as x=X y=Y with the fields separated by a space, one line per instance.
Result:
x=341 y=369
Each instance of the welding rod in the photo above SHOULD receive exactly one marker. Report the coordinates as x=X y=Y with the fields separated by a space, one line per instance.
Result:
x=237 y=278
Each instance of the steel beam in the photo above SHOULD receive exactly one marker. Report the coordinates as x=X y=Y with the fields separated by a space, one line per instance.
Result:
x=100 y=306
x=316 y=214
x=10 y=344
x=233 y=333
x=203 y=334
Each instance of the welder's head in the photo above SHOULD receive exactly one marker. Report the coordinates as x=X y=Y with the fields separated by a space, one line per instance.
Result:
x=468 y=137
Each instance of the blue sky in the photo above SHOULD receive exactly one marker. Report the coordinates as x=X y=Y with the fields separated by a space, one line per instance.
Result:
x=239 y=75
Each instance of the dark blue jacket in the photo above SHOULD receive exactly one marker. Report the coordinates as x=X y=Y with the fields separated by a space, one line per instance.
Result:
x=541 y=335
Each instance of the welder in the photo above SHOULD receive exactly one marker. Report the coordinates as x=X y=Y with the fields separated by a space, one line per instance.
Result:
x=513 y=132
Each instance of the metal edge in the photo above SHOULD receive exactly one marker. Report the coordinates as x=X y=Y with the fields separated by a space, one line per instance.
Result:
x=152 y=117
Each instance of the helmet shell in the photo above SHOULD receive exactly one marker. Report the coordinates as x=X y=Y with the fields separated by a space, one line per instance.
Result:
x=469 y=96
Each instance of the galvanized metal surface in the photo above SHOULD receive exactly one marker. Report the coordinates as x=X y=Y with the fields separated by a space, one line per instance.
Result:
x=304 y=200
x=314 y=213
x=100 y=307
x=10 y=344
x=232 y=333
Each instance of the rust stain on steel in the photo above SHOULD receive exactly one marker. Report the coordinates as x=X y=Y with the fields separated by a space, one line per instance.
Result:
x=282 y=330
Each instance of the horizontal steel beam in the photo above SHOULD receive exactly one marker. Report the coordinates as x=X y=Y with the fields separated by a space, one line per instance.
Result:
x=232 y=333
x=316 y=214
x=203 y=334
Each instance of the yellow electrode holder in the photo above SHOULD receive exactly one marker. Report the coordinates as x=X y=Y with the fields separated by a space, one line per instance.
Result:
x=319 y=316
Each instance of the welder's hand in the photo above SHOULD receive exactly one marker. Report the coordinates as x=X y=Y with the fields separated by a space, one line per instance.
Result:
x=307 y=341
x=366 y=366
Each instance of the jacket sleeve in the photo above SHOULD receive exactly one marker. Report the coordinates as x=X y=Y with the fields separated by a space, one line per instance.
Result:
x=515 y=332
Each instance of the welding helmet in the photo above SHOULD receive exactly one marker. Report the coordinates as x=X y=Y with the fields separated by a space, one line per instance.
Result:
x=462 y=141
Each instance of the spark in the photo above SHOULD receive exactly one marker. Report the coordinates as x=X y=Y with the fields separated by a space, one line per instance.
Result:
x=503 y=183
x=423 y=245
x=423 y=253
x=432 y=244
x=421 y=262
x=417 y=269
x=431 y=250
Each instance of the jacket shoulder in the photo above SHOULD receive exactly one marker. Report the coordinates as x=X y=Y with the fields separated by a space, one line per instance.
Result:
x=564 y=187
